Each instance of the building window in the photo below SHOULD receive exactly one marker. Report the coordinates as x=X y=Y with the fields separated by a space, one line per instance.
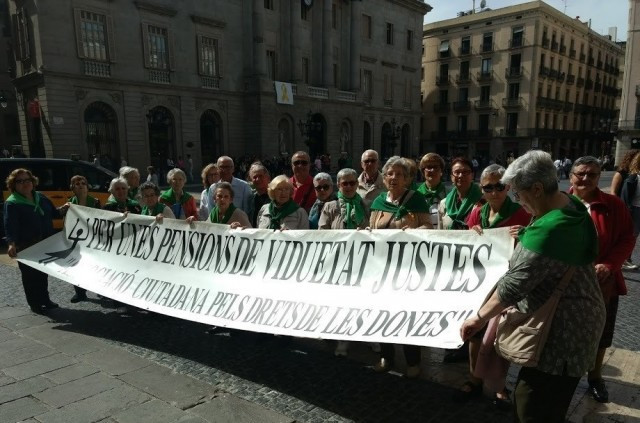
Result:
x=304 y=13
x=365 y=84
x=272 y=64
x=487 y=42
x=93 y=36
x=486 y=66
x=208 y=56
x=366 y=27
x=464 y=70
x=268 y=4
x=517 y=39
x=334 y=16
x=407 y=91
x=483 y=125
x=21 y=28
x=388 y=87
x=462 y=124
x=514 y=91
x=512 y=123
x=305 y=70
x=485 y=93
x=389 y=33
x=465 y=45
x=157 y=48
x=409 y=39
x=336 y=76
x=463 y=94
x=444 y=49
x=442 y=126
x=422 y=74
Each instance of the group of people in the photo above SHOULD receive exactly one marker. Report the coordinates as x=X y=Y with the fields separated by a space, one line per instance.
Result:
x=586 y=231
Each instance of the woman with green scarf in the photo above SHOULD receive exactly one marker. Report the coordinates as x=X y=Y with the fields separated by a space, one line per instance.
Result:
x=560 y=237
x=119 y=200
x=433 y=189
x=181 y=203
x=28 y=219
x=151 y=205
x=282 y=212
x=399 y=208
x=225 y=212
x=464 y=196
x=499 y=211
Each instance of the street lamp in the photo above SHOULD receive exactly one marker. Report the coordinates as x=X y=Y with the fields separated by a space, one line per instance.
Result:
x=391 y=134
x=309 y=128
x=3 y=100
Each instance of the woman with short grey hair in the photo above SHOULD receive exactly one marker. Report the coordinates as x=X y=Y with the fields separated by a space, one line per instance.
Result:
x=119 y=200
x=397 y=162
x=132 y=175
x=560 y=240
x=347 y=211
x=323 y=184
x=181 y=203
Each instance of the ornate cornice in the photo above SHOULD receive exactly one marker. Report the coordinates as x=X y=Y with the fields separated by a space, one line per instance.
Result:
x=389 y=64
x=214 y=23
x=368 y=59
x=154 y=8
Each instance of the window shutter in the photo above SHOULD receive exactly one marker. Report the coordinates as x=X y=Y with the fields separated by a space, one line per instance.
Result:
x=219 y=62
x=145 y=45
x=78 y=22
x=171 y=47
x=24 y=35
x=17 y=49
x=111 y=42
x=199 y=53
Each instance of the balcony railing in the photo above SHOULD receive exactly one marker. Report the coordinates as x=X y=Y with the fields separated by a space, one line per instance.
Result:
x=463 y=78
x=580 y=83
x=515 y=132
x=318 y=92
x=210 y=82
x=571 y=79
x=159 y=76
x=465 y=50
x=513 y=103
x=583 y=109
x=554 y=46
x=597 y=87
x=485 y=76
x=582 y=57
x=588 y=84
x=100 y=69
x=516 y=42
x=461 y=106
x=486 y=47
x=441 y=107
x=483 y=105
x=346 y=96
x=572 y=53
x=387 y=102
x=629 y=125
x=545 y=42
x=443 y=79
x=553 y=73
x=514 y=73
x=544 y=71
x=563 y=49
x=549 y=103
x=561 y=76
x=568 y=107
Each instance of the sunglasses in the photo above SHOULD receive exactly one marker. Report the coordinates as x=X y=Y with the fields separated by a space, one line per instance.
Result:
x=23 y=181
x=490 y=187
x=461 y=173
x=348 y=183
x=590 y=175
x=322 y=187
x=300 y=163
x=368 y=161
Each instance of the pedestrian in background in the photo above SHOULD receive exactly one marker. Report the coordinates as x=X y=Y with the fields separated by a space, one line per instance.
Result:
x=260 y=178
x=210 y=175
x=152 y=175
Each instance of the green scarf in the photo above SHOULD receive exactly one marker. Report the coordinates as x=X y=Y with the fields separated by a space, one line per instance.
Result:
x=566 y=234
x=214 y=216
x=354 y=213
x=91 y=202
x=17 y=198
x=170 y=197
x=127 y=204
x=458 y=213
x=133 y=192
x=279 y=213
x=157 y=209
x=413 y=186
x=507 y=210
x=433 y=195
x=416 y=203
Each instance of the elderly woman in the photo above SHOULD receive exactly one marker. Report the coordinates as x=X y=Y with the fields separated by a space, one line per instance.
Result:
x=464 y=196
x=182 y=204
x=323 y=185
x=210 y=175
x=561 y=238
x=119 y=200
x=224 y=211
x=80 y=188
x=151 y=205
x=399 y=208
x=28 y=219
x=433 y=189
x=616 y=241
x=498 y=212
x=282 y=212
x=132 y=175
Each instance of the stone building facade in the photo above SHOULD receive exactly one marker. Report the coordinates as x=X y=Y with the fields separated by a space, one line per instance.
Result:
x=145 y=80
x=507 y=80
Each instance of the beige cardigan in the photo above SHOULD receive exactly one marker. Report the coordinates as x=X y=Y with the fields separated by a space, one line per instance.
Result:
x=332 y=217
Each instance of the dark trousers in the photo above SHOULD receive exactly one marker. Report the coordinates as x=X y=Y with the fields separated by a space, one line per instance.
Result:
x=80 y=291
x=35 y=285
x=411 y=353
x=541 y=397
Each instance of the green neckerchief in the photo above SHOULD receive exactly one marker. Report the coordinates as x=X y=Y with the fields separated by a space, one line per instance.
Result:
x=17 y=198
x=565 y=234
x=413 y=186
x=507 y=210
x=157 y=209
x=133 y=192
x=91 y=202
x=433 y=195
x=458 y=213
x=279 y=213
x=128 y=203
x=214 y=216
x=354 y=213
x=416 y=203
x=170 y=197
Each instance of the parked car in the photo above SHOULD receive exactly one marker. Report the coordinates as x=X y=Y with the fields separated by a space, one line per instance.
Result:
x=54 y=177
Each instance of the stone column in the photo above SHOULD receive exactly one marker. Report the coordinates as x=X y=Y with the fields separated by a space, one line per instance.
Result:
x=259 y=52
x=356 y=41
x=327 y=74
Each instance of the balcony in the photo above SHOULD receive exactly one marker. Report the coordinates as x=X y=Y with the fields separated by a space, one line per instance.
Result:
x=571 y=79
x=583 y=109
x=516 y=42
x=513 y=103
x=572 y=53
x=637 y=90
x=514 y=73
x=349 y=96
x=464 y=50
x=441 y=107
x=514 y=132
x=463 y=78
x=483 y=105
x=319 y=92
x=589 y=84
x=443 y=80
x=210 y=82
x=597 y=87
x=100 y=69
x=159 y=76
x=563 y=49
x=568 y=107
x=543 y=72
x=554 y=46
x=582 y=57
x=486 y=47
x=590 y=61
x=629 y=125
x=599 y=64
x=461 y=106
x=387 y=102
x=580 y=83
x=545 y=42
x=481 y=133
x=485 y=76
x=553 y=73
x=561 y=76
x=549 y=103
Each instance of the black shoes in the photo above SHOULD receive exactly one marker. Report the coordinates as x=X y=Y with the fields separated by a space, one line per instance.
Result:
x=50 y=305
x=456 y=356
x=598 y=390
x=78 y=297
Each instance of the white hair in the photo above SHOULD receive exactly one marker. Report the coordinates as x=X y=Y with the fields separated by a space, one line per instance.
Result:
x=533 y=166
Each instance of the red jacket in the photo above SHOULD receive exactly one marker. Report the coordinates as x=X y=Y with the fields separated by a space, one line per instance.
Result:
x=305 y=194
x=615 y=235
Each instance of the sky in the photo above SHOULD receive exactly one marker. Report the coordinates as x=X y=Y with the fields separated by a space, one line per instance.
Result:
x=603 y=13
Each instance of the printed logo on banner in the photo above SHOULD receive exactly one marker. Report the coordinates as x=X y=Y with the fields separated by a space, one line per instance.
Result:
x=75 y=237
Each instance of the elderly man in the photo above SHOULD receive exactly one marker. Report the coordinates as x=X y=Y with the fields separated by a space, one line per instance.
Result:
x=242 y=195
x=260 y=179
x=303 y=193
x=370 y=183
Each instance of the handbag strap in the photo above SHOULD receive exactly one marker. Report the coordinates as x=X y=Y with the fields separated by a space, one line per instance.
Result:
x=564 y=282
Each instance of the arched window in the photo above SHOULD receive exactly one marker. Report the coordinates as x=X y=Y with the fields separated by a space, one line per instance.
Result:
x=210 y=136
x=162 y=141
x=101 y=126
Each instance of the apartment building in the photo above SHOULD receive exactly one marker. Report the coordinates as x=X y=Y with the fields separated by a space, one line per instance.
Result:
x=145 y=80
x=507 y=80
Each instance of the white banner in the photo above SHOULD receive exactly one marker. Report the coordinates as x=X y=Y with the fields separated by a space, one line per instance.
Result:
x=406 y=287
x=284 y=92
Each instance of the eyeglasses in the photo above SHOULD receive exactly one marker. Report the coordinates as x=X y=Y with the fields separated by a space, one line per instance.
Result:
x=23 y=181
x=348 y=183
x=369 y=161
x=225 y=166
x=300 y=163
x=431 y=168
x=590 y=175
x=490 y=187
x=461 y=172
x=322 y=187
